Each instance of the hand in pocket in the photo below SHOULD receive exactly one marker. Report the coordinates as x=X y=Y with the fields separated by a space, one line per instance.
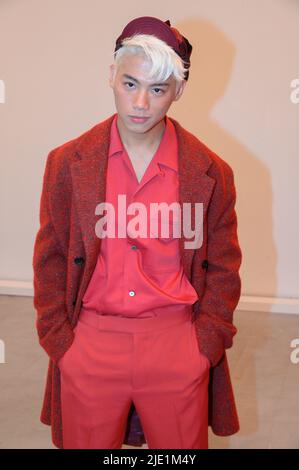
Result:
x=195 y=350
x=61 y=360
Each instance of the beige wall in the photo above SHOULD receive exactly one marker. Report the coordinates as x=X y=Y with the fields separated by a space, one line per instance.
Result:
x=54 y=59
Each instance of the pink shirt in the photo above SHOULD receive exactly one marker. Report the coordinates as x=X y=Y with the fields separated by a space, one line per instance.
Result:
x=134 y=276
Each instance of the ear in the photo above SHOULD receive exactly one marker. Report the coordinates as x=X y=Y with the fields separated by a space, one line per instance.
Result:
x=111 y=72
x=180 y=90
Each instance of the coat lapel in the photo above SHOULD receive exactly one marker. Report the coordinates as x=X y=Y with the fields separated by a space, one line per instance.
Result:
x=89 y=170
x=195 y=185
x=88 y=173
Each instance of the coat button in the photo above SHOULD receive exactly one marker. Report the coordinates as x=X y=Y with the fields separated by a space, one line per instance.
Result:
x=205 y=264
x=79 y=260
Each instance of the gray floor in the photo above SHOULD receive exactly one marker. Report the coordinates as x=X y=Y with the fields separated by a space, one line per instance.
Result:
x=265 y=381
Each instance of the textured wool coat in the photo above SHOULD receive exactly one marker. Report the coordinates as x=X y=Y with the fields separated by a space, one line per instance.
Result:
x=66 y=249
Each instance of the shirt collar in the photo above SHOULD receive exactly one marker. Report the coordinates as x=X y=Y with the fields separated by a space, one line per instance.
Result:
x=166 y=153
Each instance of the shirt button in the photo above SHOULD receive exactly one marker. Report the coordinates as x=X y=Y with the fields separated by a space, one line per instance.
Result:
x=131 y=293
x=134 y=247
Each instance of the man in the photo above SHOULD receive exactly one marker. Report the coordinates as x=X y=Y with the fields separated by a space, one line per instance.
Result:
x=136 y=322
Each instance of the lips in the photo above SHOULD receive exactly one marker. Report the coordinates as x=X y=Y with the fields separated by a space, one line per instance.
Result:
x=138 y=118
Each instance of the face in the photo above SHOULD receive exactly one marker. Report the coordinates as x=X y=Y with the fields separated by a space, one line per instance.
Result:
x=137 y=96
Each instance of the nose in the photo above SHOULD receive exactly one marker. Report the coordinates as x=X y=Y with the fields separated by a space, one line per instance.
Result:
x=141 y=101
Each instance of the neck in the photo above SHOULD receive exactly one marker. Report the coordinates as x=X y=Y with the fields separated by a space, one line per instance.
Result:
x=148 y=140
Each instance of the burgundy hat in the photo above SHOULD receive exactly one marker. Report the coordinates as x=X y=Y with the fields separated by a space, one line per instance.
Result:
x=162 y=30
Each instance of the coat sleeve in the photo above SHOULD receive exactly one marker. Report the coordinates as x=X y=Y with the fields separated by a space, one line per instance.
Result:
x=50 y=271
x=214 y=323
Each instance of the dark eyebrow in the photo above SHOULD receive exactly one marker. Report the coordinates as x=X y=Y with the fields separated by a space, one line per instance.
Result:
x=153 y=84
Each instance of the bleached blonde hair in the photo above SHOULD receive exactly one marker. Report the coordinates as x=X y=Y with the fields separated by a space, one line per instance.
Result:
x=164 y=60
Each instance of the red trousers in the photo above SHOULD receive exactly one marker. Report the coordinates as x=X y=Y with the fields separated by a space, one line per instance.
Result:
x=154 y=362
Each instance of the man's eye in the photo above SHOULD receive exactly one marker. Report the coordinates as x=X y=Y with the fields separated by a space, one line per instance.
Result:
x=129 y=83
x=157 y=90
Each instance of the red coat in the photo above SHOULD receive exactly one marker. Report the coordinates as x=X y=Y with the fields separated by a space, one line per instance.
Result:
x=66 y=250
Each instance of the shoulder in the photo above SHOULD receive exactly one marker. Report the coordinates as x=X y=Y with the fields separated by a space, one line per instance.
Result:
x=85 y=143
x=218 y=167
